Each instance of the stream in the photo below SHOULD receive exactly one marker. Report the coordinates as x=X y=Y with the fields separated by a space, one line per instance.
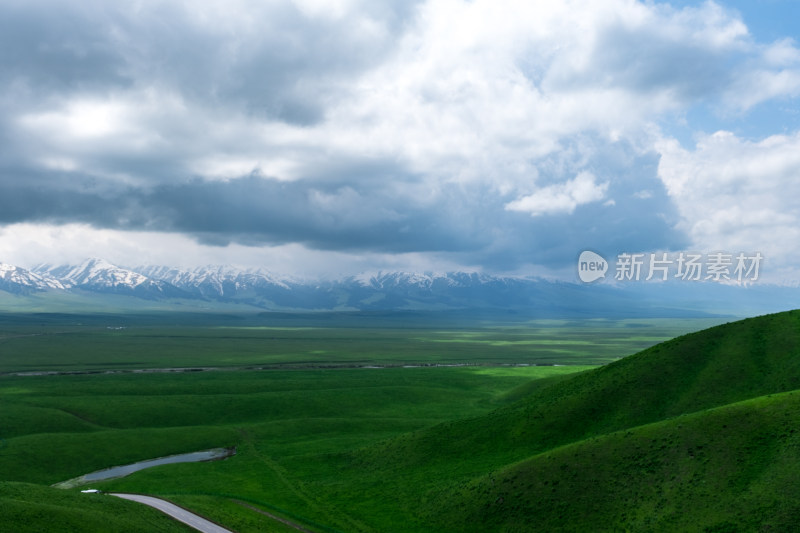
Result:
x=124 y=470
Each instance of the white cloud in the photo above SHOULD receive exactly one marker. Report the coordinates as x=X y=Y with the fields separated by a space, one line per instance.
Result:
x=760 y=85
x=561 y=198
x=782 y=53
x=486 y=91
x=738 y=195
x=82 y=119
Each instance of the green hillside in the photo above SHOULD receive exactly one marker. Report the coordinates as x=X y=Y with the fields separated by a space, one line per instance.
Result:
x=721 y=365
x=27 y=507
x=409 y=475
x=732 y=468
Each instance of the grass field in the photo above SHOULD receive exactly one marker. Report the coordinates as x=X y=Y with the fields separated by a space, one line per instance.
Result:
x=127 y=343
x=59 y=427
x=30 y=507
x=334 y=447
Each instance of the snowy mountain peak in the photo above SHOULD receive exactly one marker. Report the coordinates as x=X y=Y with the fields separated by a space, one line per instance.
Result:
x=13 y=277
x=96 y=273
x=217 y=280
x=262 y=289
x=419 y=279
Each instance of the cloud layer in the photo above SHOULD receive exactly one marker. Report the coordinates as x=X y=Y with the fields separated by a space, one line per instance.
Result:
x=488 y=134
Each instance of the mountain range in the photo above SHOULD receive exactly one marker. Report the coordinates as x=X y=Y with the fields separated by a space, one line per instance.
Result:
x=96 y=282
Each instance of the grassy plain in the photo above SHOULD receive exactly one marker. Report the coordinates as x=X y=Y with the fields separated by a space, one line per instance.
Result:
x=320 y=442
x=119 y=342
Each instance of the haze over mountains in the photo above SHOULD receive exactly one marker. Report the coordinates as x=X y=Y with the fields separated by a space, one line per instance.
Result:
x=94 y=281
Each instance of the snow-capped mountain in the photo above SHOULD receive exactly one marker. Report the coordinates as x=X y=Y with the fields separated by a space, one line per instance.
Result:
x=98 y=275
x=225 y=286
x=384 y=280
x=263 y=289
x=18 y=280
x=426 y=290
x=218 y=281
x=93 y=273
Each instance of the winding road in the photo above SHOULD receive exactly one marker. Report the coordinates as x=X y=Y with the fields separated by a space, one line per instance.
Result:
x=178 y=513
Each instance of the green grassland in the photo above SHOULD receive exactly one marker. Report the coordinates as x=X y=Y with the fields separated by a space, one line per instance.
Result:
x=127 y=342
x=62 y=426
x=732 y=468
x=30 y=507
x=693 y=434
x=103 y=420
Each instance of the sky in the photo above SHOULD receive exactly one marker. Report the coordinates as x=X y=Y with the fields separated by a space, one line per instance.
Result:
x=326 y=138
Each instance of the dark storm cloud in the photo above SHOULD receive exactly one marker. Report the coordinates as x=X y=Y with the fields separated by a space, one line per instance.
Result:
x=275 y=62
x=324 y=217
x=359 y=214
x=55 y=47
x=252 y=210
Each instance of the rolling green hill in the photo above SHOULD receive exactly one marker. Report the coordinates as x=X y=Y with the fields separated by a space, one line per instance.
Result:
x=721 y=365
x=674 y=398
x=732 y=468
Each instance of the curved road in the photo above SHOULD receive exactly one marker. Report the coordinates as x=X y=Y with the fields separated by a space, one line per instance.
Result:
x=178 y=513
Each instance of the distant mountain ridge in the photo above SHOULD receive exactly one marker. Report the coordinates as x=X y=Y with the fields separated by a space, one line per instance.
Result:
x=98 y=275
x=261 y=288
x=17 y=280
x=215 y=281
x=94 y=280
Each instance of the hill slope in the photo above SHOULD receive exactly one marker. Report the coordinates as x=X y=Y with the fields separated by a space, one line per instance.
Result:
x=731 y=363
x=28 y=507
x=721 y=365
x=733 y=468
